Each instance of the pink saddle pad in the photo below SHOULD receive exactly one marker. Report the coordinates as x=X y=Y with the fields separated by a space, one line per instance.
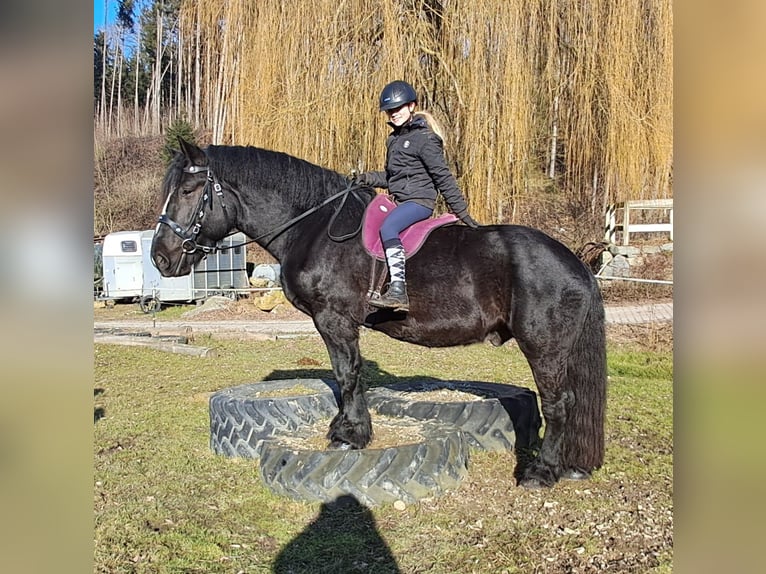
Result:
x=412 y=237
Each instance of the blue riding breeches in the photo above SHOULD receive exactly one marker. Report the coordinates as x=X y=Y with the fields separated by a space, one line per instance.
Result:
x=402 y=216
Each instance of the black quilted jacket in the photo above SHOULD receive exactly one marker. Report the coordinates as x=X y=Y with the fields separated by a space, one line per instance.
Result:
x=416 y=168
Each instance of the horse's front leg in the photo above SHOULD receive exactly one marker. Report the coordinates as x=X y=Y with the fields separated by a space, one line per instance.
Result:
x=351 y=427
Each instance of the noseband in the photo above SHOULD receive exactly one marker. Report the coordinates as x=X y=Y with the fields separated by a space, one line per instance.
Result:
x=189 y=235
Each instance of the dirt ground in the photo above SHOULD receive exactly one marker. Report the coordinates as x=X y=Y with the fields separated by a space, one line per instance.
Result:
x=649 y=336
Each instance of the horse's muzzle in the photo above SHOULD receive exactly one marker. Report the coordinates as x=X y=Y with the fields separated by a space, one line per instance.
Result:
x=161 y=262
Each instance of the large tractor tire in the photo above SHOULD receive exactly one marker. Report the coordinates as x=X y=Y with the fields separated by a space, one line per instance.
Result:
x=264 y=420
x=242 y=417
x=502 y=418
x=408 y=472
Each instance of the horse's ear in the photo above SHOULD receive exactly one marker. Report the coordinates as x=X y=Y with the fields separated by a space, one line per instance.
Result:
x=194 y=154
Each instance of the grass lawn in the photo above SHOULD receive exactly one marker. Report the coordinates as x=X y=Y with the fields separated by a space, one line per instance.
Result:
x=164 y=503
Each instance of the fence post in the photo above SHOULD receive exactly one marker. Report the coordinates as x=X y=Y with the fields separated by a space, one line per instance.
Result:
x=609 y=223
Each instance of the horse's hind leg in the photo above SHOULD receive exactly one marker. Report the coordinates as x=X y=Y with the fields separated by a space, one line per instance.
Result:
x=568 y=361
x=546 y=469
x=352 y=426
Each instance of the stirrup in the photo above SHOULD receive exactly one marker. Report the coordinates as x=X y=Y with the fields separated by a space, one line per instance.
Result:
x=387 y=304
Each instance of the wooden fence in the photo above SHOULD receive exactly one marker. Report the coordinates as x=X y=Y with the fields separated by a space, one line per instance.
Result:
x=628 y=210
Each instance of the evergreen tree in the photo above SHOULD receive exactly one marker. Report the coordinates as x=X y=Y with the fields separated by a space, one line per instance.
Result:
x=98 y=65
x=179 y=128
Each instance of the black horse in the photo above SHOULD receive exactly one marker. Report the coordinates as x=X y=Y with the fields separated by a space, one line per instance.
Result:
x=466 y=286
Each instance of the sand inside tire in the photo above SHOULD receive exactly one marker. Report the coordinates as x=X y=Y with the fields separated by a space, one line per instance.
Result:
x=388 y=432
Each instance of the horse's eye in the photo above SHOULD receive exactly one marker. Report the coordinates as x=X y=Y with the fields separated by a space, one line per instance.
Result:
x=188 y=187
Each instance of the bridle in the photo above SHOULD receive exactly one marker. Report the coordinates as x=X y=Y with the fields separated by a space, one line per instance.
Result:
x=190 y=233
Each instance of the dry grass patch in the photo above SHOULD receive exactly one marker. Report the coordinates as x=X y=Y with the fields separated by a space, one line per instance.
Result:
x=655 y=337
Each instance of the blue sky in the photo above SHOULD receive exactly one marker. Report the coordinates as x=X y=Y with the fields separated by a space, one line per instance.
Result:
x=98 y=14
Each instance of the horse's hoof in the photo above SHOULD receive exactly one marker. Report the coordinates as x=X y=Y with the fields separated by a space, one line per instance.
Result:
x=575 y=474
x=537 y=476
x=532 y=484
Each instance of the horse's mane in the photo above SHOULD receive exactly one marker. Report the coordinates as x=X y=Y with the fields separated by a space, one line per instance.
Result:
x=250 y=167
x=300 y=183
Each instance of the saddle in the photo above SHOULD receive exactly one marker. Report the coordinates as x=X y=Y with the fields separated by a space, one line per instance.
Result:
x=412 y=238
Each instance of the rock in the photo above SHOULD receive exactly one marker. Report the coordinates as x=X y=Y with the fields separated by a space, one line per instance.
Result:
x=617 y=267
x=214 y=303
x=259 y=282
x=270 y=300
x=625 y=250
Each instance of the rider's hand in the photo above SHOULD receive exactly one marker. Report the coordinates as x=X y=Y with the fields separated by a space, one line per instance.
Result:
x=360 y=179
x=469 y=221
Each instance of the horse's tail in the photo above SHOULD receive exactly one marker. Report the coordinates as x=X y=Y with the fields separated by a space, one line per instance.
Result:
x=583 y=446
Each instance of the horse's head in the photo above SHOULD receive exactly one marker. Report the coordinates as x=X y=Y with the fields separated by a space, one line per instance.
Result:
x=191 y=221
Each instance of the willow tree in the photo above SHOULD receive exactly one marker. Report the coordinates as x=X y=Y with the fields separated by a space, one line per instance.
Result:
x=566 y=100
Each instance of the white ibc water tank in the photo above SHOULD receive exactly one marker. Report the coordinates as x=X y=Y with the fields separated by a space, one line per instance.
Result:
x=269 y=272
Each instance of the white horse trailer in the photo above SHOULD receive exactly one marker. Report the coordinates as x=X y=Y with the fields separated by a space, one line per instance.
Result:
x=123 y=266
x=134 y=276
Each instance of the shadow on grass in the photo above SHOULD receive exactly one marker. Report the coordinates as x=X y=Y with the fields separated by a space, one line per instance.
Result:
x=372 y=375
x=343 y=538
x=98 y=412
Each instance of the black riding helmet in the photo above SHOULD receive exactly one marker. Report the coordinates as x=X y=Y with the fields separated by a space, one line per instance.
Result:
x=397 y=94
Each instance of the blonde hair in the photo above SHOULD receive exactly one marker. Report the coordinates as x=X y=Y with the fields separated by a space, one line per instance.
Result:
x=432 y=123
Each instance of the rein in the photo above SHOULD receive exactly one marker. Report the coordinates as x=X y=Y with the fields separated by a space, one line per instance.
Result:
x=350 y=189
x=189 y=235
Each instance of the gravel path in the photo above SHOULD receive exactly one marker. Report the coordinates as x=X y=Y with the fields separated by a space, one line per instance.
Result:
x=615 y=314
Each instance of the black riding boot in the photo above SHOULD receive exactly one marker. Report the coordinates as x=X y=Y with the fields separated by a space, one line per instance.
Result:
x=394 y=298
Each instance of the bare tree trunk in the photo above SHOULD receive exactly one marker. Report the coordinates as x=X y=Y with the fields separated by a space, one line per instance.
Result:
x=594 y=190
x=119 y=83
x=157 y=75
x=147 y=123
x=234 y=89
x=219 y=104
x=554 y=137
x=179 y=67
x=208 y=87
x=112 y=88
x=136 y=115
x=197 y=71
x=171 y=95
x=103 y=69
